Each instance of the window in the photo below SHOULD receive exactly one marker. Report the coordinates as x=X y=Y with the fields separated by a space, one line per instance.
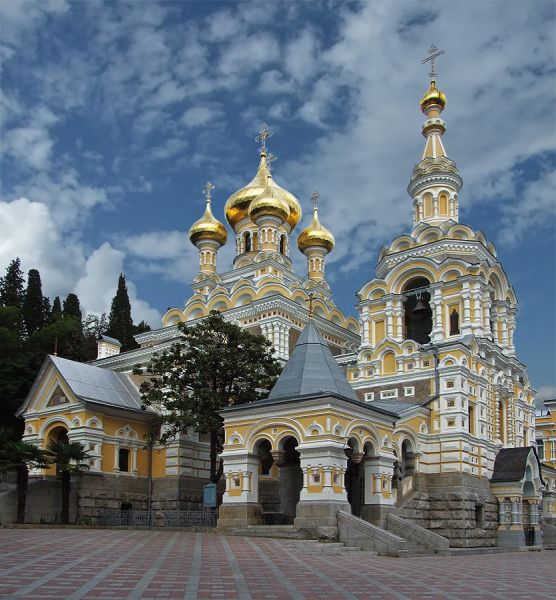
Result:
x=417 y=310
x=316 y=478
x=336 y=479
x=426 y=363
x=479 y=516
x=369 y=396
x=451 y=403
x=409 y=391
x=540 y=449
x=123 y=460
x=450 y=422
x=449 y=384
x=388 y=394
x=454 y=322
x=409 y=366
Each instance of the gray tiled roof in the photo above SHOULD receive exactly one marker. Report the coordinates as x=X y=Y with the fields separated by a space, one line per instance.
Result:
x=311 y=369
x=510 y=463
x=397 y=407
x=101 y=386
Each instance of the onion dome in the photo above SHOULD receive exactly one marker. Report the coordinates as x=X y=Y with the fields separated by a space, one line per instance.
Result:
x=237 y=205
x=208 y=228
x=271 y=204
x=433 y=96
x=292 y=202
x=315 y=235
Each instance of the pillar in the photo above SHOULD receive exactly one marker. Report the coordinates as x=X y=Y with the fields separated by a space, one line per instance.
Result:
x=240 y=503
x=466 y=325
x=437 y=333
x=379 y=495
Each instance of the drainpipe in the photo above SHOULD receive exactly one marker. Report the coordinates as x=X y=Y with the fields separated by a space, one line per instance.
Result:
x=150 y=444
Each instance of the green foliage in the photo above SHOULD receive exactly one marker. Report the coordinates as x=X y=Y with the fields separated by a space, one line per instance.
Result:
x=34 y=305
x=120 y=323
x=71 y=307
x=56 y=312
x=217 y=365
x=11 y=285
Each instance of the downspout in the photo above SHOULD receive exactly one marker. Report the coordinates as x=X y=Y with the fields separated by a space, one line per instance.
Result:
x=150 y=444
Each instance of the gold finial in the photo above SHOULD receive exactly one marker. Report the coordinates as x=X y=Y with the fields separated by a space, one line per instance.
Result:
x=310 y=301
x=264 y=133
x=207 y=191
x=315 y=199
x=434 y=53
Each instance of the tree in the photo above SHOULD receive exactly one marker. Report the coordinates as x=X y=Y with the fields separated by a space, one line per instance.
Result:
x=19 y=456
x=56 y=312
x=217 y=365
x=71 y=458
x=71 y=307
x=33 y=308
x=93 y=327
x=120 y=323
x=141 y=327
x=11 y=285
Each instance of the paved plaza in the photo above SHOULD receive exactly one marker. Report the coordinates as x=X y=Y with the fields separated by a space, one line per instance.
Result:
x=102 y=564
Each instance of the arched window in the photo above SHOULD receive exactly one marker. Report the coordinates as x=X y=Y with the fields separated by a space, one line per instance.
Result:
x=282 y=244
x=255 y=241
x=454 y=322
x=247 y=241
x=417 y=310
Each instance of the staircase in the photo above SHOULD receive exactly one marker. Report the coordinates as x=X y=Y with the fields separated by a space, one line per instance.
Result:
x=296 y=540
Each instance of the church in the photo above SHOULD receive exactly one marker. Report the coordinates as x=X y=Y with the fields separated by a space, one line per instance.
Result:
x=413 y=421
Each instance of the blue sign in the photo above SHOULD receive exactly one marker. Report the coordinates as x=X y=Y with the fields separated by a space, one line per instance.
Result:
x=209 y=495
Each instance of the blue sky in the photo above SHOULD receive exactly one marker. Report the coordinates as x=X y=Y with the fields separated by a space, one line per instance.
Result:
x=115 y=114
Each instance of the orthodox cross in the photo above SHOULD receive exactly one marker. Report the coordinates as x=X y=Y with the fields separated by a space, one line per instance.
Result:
x=434 y=53
x=207 y=191
x=310 y=301
x=315 y=199
x=269 y=160
x=264 y=133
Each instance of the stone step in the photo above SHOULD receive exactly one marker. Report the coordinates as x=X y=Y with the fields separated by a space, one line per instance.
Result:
x=315 y=547
x=270 y=531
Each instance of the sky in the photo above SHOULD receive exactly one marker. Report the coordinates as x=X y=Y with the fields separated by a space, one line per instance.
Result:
x=115 y=114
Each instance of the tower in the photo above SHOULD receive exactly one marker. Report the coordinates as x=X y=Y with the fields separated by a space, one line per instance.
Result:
x=208 y=235
x=315 y=242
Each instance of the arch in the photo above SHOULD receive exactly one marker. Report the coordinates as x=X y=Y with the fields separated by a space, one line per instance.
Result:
x=401 y=275
x=56 y=421
x=451 y=275
x=417 y=310
x=314 y=429
x=76 y=422
x=94 y=422
x=172 y=317
x=352 y=325
x=243 y=297
x=283 y=244
x=400 y=244
x=260 y=429
x=246 y=239
x=263 y=449
x=454 y=322
x=338 y=430
x=388 y=362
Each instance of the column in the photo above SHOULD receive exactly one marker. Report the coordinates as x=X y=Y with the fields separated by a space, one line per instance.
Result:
x=477 y=310
x=398 y=313
x=435 y=205
x=389 y=320
x=134 y=469
x=466 y=326
x=486 y=315
x=437 y=333
x=365 y=321
x=502 y=317
x=511 y=331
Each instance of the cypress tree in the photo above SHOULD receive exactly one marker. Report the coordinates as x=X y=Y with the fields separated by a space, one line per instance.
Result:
x=120 y=324
x=71 y=307
x=56 y=312
x=33 y=309
x=11 y=285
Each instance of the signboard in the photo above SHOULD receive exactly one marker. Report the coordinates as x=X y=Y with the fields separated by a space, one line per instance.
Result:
x=209 y=495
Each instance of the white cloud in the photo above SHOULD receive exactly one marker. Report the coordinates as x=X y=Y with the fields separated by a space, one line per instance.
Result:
x=547 y=392
x=168 y=148
x=30 y=232
x=32 y=143
x=199 y=115
x=97 y=286
x=301 y=56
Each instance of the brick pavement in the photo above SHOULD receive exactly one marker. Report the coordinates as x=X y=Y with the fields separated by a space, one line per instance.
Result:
x=103 y=564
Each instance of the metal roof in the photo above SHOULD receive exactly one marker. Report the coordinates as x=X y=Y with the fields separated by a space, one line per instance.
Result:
x=101 y=386
x=110 y=340
x=311 y=369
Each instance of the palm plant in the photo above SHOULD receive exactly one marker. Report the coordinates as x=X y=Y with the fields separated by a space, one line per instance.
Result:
x=19 y=456
x=70 y=458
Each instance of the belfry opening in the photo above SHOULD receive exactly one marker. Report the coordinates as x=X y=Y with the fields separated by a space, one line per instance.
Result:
x=417 y=310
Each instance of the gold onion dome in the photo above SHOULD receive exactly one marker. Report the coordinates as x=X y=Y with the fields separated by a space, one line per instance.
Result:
x=269 y=203
x=208 y=228
x=433 y=96
x=237 y=205
x=315 y=235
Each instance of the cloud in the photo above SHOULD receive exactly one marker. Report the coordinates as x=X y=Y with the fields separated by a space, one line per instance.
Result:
x=97 y=286
x=197 y=116
x=300 y=58
x=31 y=144
x=168 y=148
x=547 y=392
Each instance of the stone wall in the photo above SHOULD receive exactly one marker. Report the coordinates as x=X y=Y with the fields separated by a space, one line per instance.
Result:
x=457 y=506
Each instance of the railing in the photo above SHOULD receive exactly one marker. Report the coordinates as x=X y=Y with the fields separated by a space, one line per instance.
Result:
x=124 y=518
x=190 y=518
x=172 y=518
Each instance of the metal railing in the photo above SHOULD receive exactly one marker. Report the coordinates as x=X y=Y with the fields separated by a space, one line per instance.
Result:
x=172 y=518
x=190 y=518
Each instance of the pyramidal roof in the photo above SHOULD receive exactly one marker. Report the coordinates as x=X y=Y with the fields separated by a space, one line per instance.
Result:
x=311 y=369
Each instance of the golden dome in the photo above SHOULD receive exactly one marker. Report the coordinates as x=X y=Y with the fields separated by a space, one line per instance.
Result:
x=292 y=202
x=208 y=228
x=315 y=235
x=269 y=203
x=433 y=96
x=237 y=205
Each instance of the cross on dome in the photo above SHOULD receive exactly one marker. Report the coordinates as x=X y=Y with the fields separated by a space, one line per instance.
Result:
x=315 y=199
x=434 y=53
x=264 y=133
x=310 y=301
x=207 y=190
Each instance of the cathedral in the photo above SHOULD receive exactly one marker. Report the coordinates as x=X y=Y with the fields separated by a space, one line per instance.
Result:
x=413 y=421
